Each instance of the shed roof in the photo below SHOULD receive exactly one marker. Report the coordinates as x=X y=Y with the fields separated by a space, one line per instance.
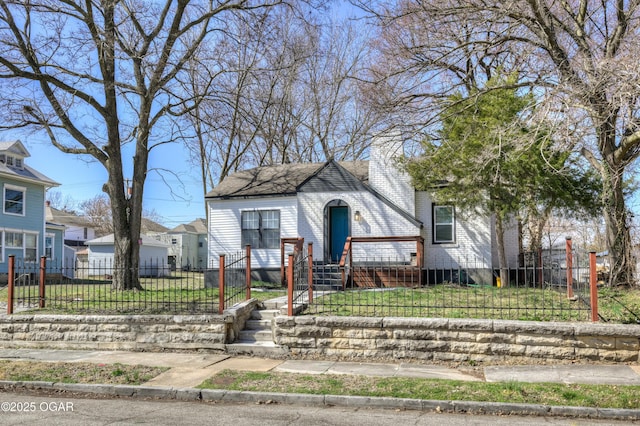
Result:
x=108 y=240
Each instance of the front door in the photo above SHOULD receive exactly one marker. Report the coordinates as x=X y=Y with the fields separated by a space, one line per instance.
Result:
x=338 y=230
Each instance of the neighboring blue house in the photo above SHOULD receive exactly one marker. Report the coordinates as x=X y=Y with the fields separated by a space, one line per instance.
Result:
x=23 y=229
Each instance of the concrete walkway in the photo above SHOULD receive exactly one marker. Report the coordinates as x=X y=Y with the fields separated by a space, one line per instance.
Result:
x=187 y=370
x=191 y=369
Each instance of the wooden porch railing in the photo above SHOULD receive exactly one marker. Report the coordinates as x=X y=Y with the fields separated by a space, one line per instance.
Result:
x=298 y=243
x=346 y=261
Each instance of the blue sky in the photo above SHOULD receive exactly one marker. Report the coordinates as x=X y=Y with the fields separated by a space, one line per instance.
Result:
x=81 y=180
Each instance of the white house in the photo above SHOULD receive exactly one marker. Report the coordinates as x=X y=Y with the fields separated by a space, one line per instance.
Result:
x=326 y=203
x=153 y=256
x=77 y=228
x=187 y=245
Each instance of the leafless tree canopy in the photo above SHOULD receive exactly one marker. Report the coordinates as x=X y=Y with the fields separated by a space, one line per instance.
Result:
x=578 y=57
x=102 y=79
x=285 y=89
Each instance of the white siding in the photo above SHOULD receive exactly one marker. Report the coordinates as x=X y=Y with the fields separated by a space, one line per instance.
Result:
x=225 y=231
x=385 y=176
x=378 y=220
x=472 y=247
x=153 y=260
x=76 y=233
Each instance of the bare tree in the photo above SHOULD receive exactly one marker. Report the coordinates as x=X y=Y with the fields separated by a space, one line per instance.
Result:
x=286 y=90
x=578 y=55
x=100 y=79
x=97 y=211
x=60 y=201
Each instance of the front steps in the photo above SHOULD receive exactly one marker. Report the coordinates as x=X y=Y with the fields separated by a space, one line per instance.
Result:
x=327 y=277
x=257 y=337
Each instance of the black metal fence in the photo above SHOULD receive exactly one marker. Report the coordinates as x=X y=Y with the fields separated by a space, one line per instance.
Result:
x=539 y=288
x=234 y=278
x=300 y=278
x=80 y=287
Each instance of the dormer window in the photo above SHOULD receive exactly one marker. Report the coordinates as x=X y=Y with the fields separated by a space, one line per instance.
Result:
x=12 y=161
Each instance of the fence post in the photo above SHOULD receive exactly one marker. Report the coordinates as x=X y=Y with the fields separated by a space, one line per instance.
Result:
x=282 y=273
x=11 y=283
x=290 y=267
x=41 y=288
x=310 y=274
x=221 y=285
x=248 y=270
x=569 y=250
x=420 y=259
x=593 y=284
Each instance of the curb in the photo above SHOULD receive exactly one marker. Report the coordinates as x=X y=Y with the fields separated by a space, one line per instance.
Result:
x=218 y=395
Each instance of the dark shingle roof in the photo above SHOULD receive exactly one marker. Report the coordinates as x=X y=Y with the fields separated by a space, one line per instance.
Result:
x=282 y=179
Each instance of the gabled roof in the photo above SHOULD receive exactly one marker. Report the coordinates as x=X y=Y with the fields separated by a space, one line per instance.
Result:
x=280 y=180
x=289 y=179
x=66 y=218
x=25 y=172
x=198 y=226
x=148 y=225
x=14 y=147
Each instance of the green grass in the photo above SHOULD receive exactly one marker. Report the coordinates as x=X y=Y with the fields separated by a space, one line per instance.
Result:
x=453 y=301
x=514 y=392
x=185 y=292
x=181 y=292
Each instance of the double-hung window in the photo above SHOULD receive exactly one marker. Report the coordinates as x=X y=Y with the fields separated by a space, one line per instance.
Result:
x=14 y=197
x=261 y=229
x=48 y=246
x=444 y=224
x=27 y=242
x=30 y=247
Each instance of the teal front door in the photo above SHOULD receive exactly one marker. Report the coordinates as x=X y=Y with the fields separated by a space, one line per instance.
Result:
x=338 y=230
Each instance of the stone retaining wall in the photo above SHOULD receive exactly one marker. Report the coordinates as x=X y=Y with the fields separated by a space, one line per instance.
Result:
x=456 y=339
x=126 y=332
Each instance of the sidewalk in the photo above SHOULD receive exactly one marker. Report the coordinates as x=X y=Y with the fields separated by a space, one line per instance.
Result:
x=190 y=369
x=187 y=370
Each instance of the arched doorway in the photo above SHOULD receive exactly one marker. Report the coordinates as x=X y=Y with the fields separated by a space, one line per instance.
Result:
x=337 y=228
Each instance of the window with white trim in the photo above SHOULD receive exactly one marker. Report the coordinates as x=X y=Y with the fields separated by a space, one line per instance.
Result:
x=444 y=224
x=30 y=247
x=24 y=241
x=261 y=229
x=14 y=197
x=49 y=244
x=13 y=240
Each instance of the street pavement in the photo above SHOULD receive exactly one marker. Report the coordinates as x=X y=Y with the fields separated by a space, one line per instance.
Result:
x=188 y=370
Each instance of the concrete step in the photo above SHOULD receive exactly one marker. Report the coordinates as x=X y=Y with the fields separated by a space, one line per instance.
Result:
x=252 y=336
x=265 y=314
x=259 y=349
x=328 y=287
x=275 y=304
x=258 y=324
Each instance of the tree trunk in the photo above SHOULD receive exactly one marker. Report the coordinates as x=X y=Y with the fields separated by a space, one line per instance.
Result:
x=622 y=264
x=502 y=256
x=126 y=249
